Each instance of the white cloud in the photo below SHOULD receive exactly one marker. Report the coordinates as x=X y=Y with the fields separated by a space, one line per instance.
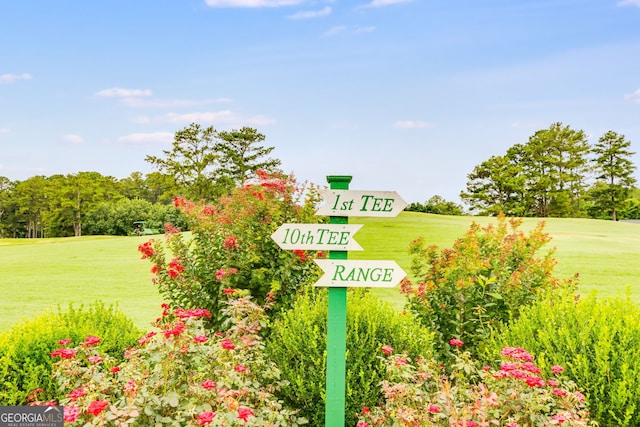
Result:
x=72 y=139
x=334 y=31
x=412 y=124
x=635 y=96
x=10 y=78
x=225 y=117
x=382 y=3
x=5 y=130
x=343 y=29
x=169 y=103
x=117 y=92
x=629 y=3
x=311 y=13
x=251 y=3
x=141 y=120
x=147 y=138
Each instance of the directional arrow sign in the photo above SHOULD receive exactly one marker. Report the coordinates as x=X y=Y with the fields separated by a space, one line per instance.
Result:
x=361 y=203
x=337 y=237
x=356 y=273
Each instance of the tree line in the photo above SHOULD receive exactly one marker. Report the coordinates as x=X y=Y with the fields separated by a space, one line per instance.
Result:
x=202 y=164
x=557 y=173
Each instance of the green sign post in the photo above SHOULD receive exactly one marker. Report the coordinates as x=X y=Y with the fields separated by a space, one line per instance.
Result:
x=340 y=273
x=336 y=330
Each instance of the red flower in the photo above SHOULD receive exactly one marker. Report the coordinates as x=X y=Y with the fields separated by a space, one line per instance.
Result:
x=179 y=202
x=64 y=342
x=91 y=340
x=302 y=255
x=434 y=409
x=208 y=384
x=533 y=381
x=146 y=249
x=365 y=410
x=228 y=291
x=205 y=418
x=65 y=353
x=200 y=338
x=386 y=349
x=192 y=313
x=517 y=353
x=71 y=413
x=556 y=369
x=114 y=369
x=560 y=392
x=97 y=406
x=455 y=342
x=209 y=210
x=230 y=243
x=240 y=368
x=362 y=424
x=227 y=344
x=244 y=413
x=77 y=393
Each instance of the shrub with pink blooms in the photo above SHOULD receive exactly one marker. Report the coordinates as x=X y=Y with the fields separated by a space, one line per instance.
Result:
x=231 y=247
x=179 y=374
x=513 y=394
x=481 y=282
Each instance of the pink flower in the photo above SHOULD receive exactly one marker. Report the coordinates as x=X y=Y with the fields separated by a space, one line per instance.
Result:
x=517 y=353
x=556 y=369
x=553 y=383
x=386 y=349
x=227 y=344
x=205 y=418
x=91 y=340
x=533 y=381
x=558 y=419
x=71 y=413
x=469 y=423
x=362 y=424
x=579 y=396
x=240 y=368
x=65 y=353
x=94 y=359
x=77 y=393
x=366 y=410
x=512 y=425
x=97 y=406
x=64 y=342
x=230 y=243
x=244 y=413
x=200 y=338
x=455 y=342
x=208 y=384
x=560 y=392
x=401 y=362
x=434 y=409
x=228 y=291
x=486 y=368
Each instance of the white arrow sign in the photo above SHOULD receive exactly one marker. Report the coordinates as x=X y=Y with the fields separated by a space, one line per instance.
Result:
x=337 y=237
x=356 y=273
x=361 y=203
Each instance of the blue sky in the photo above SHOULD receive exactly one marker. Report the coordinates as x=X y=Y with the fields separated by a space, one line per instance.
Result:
x=405 y=95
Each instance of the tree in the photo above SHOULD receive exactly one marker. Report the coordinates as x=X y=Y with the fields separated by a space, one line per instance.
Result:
x=614 y=172
x=496 y=186
x=6 y=186
x=29 y=197
x=192 y=161
x=436 y=205
x=241 y=157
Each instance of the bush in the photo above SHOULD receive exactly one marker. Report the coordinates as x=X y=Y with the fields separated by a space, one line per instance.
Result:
x=596 y=340
x=297 y=344
x=514 y=395
x=25 y=364
x=477 y=285
x=232 y=248
x=178 y=375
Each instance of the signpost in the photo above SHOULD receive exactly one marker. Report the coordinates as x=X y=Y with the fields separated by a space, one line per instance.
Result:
x=340 y=273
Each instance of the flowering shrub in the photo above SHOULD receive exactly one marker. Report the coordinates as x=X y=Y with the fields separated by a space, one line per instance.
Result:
x=179 y=374
x=596 y=339
x=298 y=341
x=513 y=395
x=477 y=285
x=232 y=247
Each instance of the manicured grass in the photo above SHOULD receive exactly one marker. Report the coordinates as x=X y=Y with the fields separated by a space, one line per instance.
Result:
x=37 y=274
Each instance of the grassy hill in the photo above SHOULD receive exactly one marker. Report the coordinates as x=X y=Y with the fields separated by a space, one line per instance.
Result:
x=44 y=273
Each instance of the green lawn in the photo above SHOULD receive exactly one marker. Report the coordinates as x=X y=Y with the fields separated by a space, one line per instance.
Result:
x=43 y=273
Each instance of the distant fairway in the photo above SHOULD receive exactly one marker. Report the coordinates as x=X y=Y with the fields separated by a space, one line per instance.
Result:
x=43 y=273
